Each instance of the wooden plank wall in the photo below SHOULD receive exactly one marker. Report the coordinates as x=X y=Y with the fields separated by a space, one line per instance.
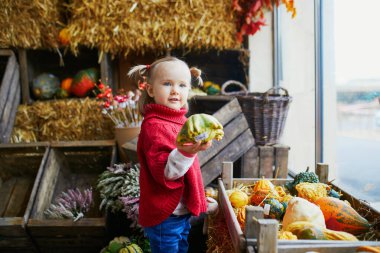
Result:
x=9 y=95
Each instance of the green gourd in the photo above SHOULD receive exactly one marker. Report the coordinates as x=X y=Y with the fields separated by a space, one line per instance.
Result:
x=311 y=233
x=276 y=210
x=45 y=86
x=200 y=127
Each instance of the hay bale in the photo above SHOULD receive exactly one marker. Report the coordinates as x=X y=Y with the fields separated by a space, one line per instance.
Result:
x=61 y=120
x=30 y=23
x=123 y=26
x=219 y=240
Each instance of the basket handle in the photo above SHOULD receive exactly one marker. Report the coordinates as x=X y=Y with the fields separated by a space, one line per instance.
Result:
x=234 y=82
x=273 y=89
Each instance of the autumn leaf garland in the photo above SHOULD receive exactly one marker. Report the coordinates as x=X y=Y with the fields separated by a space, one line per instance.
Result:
x=250 y=14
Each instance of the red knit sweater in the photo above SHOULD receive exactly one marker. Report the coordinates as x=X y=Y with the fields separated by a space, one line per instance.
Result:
x=158 y=196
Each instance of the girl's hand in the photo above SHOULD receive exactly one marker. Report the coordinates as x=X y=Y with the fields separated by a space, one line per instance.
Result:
x=212 y=206
x=193 y=148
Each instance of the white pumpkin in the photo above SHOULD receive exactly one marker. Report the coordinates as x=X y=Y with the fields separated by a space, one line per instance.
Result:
x=300 y=209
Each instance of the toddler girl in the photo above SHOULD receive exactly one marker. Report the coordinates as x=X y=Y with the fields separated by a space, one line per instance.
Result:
x=171 y=186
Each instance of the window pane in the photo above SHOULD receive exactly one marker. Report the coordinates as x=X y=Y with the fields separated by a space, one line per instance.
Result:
x=351 y=95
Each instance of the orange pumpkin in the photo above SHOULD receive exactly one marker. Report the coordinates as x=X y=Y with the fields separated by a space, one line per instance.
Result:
x=263 y=189
x=64 y=37
x=340 y=216
x=66 y=84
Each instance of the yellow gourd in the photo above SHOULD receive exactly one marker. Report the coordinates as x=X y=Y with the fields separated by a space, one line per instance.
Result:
x=286 y=235
x=312 y=191
x=338 y=235
x=238 y=199
x=298 y=226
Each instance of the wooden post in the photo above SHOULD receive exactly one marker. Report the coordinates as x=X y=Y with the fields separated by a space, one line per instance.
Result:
x=267 y=239
x=281 y=153
x=266 y=161
x=252 y=215
x=250 y=163
x=322 y=171
x=106 y=71
x=24 y=77
x=227 y=174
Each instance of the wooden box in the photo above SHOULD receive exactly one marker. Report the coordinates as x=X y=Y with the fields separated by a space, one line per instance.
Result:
x=261 y=234
x=36 y=62
x=21 y=168
x=71 y=165
x=237 y=140
x=9 y=92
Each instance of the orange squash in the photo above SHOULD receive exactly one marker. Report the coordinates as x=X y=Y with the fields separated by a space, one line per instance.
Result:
x=64 y=37
x=241 y=217
x=263 y=189
x=340 y=216
x=66 y=84
x=258 y=197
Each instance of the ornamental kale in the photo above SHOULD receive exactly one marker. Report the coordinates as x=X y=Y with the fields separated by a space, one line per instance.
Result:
x=302 y=177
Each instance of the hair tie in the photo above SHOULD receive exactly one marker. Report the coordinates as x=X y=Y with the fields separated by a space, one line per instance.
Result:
x=195 y=72
x=142 y=84
x=147 y=67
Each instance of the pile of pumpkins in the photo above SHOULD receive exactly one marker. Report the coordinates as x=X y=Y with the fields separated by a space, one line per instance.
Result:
x=307 y=209
x=48 y=86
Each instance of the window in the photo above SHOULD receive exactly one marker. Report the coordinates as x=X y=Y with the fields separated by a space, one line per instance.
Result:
x=351 y=93
x=349 y=74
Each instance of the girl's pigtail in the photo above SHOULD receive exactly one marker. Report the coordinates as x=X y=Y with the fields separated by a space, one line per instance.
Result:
x=195 y=72
x=137 y=72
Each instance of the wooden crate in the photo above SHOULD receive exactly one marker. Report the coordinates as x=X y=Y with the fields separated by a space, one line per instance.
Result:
x=71 y=165
x=21 y=168
x=36 y=62
x=9 y=93
x=237 y=140
x=265 y=161
x=261 y=234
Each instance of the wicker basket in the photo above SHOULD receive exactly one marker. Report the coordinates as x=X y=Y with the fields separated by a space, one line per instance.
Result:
x=265 y=112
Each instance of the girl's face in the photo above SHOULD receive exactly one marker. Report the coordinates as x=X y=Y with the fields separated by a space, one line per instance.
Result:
x=170 y=84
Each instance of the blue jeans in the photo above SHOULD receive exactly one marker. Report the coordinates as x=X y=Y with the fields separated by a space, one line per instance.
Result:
x=170 y=236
